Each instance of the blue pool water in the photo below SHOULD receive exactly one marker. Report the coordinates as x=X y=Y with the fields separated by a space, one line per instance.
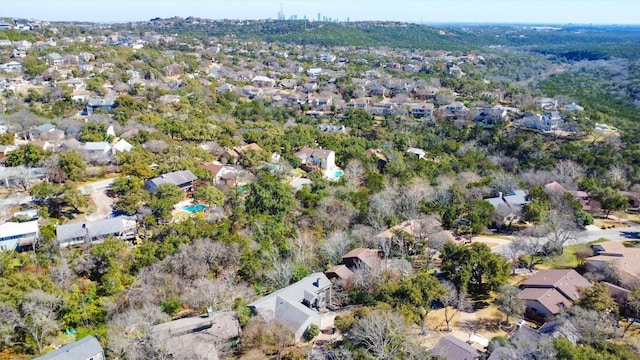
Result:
x=194 y=208
x=338 y=174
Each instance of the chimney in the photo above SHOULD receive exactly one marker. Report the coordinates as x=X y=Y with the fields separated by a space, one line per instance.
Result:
x=500 y=195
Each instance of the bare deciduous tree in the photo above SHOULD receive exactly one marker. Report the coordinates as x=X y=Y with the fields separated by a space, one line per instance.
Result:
x=129 y=334
x=39 y=313
x=354 y=172
x=453 y=301
x=334 y=247
x=382 y=334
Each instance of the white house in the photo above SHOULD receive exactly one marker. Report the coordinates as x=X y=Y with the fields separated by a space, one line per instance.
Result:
x=548 y=122
x=19 y=235
x=323 y=159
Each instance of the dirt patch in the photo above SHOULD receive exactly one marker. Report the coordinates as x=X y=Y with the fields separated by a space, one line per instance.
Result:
x=609 y=224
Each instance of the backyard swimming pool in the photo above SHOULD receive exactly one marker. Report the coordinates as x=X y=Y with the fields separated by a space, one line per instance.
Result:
x=194 y=208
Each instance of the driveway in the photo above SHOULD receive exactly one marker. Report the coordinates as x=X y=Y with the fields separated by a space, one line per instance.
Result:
x=592 y=233
x=97 y=191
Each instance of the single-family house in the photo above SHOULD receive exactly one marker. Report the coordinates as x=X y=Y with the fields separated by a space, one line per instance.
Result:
x=546 y=103
x=232 y=156
x=330 y=128
x=5 y=26
x=378 y=90
x=263 y=81
x=290 y=84
x=382 y=109
x=196 y=337
x=38 y=131
x=326 y=58
x=54 y=58
x=97 y=150
x=549 y=292
x=419 y=153
x=491 y=116
x=124 y=227
x=11 y=66
x=121 y=146
x=183 y=179
x=356 y=259
x=321 y=158
x=314 y=72
x=573 y=107
x=219 y=172
x=379 y=157
x=452 y=348
x=509 y=205
x=106 y=104
x=224 y=88
x=624 y=261
x=251 y=91
x=422 y=111
x=19 y=235
x=88 y=348
x=455 y=71
x=557 y=191
x=551 y=121
x=352 y=105
x=296 y=305
x=454 y=109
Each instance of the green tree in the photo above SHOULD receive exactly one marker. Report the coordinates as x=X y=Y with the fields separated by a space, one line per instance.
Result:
x=33 y=67
x=479 y=214
x=597 y=297
x=632 y=307
x=93 y=132
x=611 y=200
x=413 y=296
x=7 y=138
x=474 y=268
x=209 y=194
x=72 y=163
x=27 y=155
x=509 y=302
x=268 y=196
x=163 y=200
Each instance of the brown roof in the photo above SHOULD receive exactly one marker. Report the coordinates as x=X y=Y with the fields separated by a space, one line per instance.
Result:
x=214 y=168
x=306 y=153
x=377 y=154
x=551 y=299
x=341 y=272
x=554 y=187
x=566 y=281
x=626 y=261
x=367 y=256
x=452 y=348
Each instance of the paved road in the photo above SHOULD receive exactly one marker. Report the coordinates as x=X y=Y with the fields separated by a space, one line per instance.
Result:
x=594 y=233
x=17 y=199
x=101 y=185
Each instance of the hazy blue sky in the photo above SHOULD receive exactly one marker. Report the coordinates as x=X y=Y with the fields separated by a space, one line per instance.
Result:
x=429 y=11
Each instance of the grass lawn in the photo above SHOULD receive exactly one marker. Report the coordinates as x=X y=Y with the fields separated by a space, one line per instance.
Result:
x=568 y=259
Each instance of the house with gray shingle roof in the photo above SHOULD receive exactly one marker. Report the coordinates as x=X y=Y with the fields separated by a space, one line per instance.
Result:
x=296 y=305
x=124 y=227
x=183 y=179
x=86 y=349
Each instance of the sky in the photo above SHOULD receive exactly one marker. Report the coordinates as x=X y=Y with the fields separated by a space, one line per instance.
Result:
x=425 y=11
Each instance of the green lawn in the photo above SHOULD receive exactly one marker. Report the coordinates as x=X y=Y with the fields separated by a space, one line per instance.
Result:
x=568 y=259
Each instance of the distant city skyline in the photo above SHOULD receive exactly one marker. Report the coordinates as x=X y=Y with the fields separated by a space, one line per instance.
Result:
x=425 y=11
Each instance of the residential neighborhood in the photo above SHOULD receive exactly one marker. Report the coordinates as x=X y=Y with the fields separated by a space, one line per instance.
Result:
x=187 y=188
